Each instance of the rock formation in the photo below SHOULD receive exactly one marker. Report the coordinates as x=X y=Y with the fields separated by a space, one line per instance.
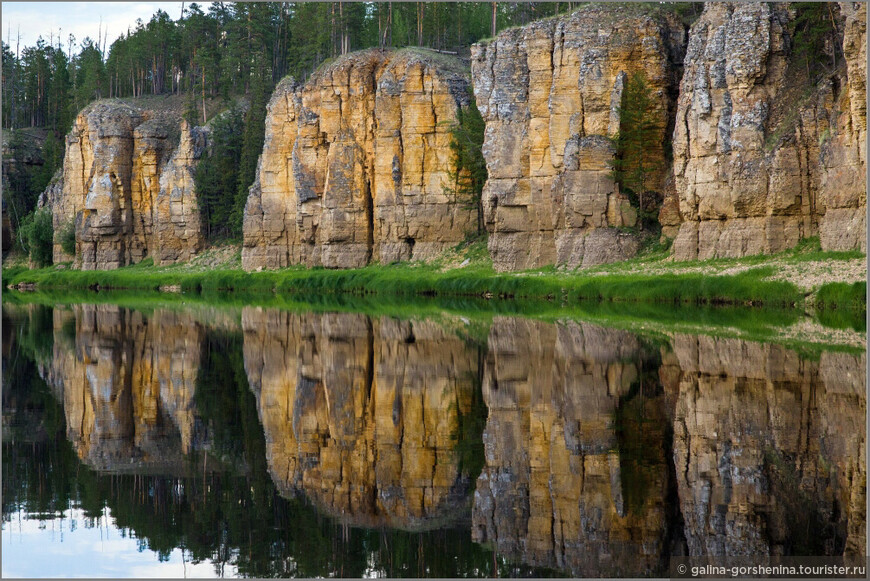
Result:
x=361 y=415
x=550 y=95
x=355 y=166
x=127 y=187
x=843 y=188
x=127 y=387
x=755 y=165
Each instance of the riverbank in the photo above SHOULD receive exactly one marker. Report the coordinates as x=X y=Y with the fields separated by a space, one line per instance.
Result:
x=800 y=278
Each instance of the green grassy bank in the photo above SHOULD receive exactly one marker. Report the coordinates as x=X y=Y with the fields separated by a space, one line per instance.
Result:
x=778 y=281
x=746 y=288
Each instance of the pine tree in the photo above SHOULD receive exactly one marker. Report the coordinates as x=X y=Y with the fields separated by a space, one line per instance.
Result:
x=636 y=158
x=468 y=167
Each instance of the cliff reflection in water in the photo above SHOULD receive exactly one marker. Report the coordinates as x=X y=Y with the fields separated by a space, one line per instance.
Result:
x=362 y=415
x=127 y=384
x=563 y=446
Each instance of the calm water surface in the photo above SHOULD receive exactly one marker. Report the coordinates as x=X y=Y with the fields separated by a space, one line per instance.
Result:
x=263 y=442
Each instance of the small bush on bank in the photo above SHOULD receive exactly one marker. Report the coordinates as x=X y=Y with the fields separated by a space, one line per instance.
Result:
x=38 y=235
x=68 y=238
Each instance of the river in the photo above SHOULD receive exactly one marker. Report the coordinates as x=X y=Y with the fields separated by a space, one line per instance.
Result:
x=190 y=440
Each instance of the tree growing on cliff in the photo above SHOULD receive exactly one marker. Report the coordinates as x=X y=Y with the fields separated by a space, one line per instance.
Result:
x=636 y=159
x=468 y=167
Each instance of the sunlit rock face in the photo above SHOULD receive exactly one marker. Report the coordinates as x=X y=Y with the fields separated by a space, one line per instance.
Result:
x=561 y=487
x=127 y=186
x=362 y=416
x=127 y=385
x=756 y=169
x=769 y=449
x=356 y=162
x=550 y=94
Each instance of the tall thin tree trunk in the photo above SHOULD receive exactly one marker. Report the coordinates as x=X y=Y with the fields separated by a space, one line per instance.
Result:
x=203 y=95
x=493 y=28
x=419 y=24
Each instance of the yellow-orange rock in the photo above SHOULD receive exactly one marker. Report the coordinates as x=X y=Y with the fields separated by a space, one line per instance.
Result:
x=757 y=169
x=769 y=449
x=550 y=94
x=127 y=188
x=561 y=488
x=843 y=187
x=355 y=166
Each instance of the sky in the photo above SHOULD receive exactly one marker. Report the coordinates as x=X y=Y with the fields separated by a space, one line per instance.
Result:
x=69 y=548
x=35 y=19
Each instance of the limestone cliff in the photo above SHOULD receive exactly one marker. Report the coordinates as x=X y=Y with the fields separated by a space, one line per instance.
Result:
x=757 y=167
x=127 y=187
x=550 y=95
x=843 y=187
x=361 y=415
x=127 y=385
x=355 y=165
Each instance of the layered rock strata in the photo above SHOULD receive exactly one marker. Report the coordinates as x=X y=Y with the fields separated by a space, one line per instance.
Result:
x=361 y=415
x=128 y=188
x=356 y=164
x=127 y=385
x=550 y=94
x=843 y=185
x=757 y=168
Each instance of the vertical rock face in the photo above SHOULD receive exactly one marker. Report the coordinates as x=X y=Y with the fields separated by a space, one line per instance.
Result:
x=754 y=164
x=769 y=449
x=361 y=415
x=843 y=187
x=127 y=188
x=127 y=387
x=356 y=163
x=561 y=488
x=177 y=225
x=550 y=93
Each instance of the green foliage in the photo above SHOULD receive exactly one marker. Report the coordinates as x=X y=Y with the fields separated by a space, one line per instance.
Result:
x=468 y=167
x=67 y=238
x=815 y=37
x=91 y=80
x=38 y=234
x=224 y=49
x=217 y=176
x=252 y=145
x=636 y=160
x=642 y=434
x=842 y=305
x=52 y=153
x=21 y=179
